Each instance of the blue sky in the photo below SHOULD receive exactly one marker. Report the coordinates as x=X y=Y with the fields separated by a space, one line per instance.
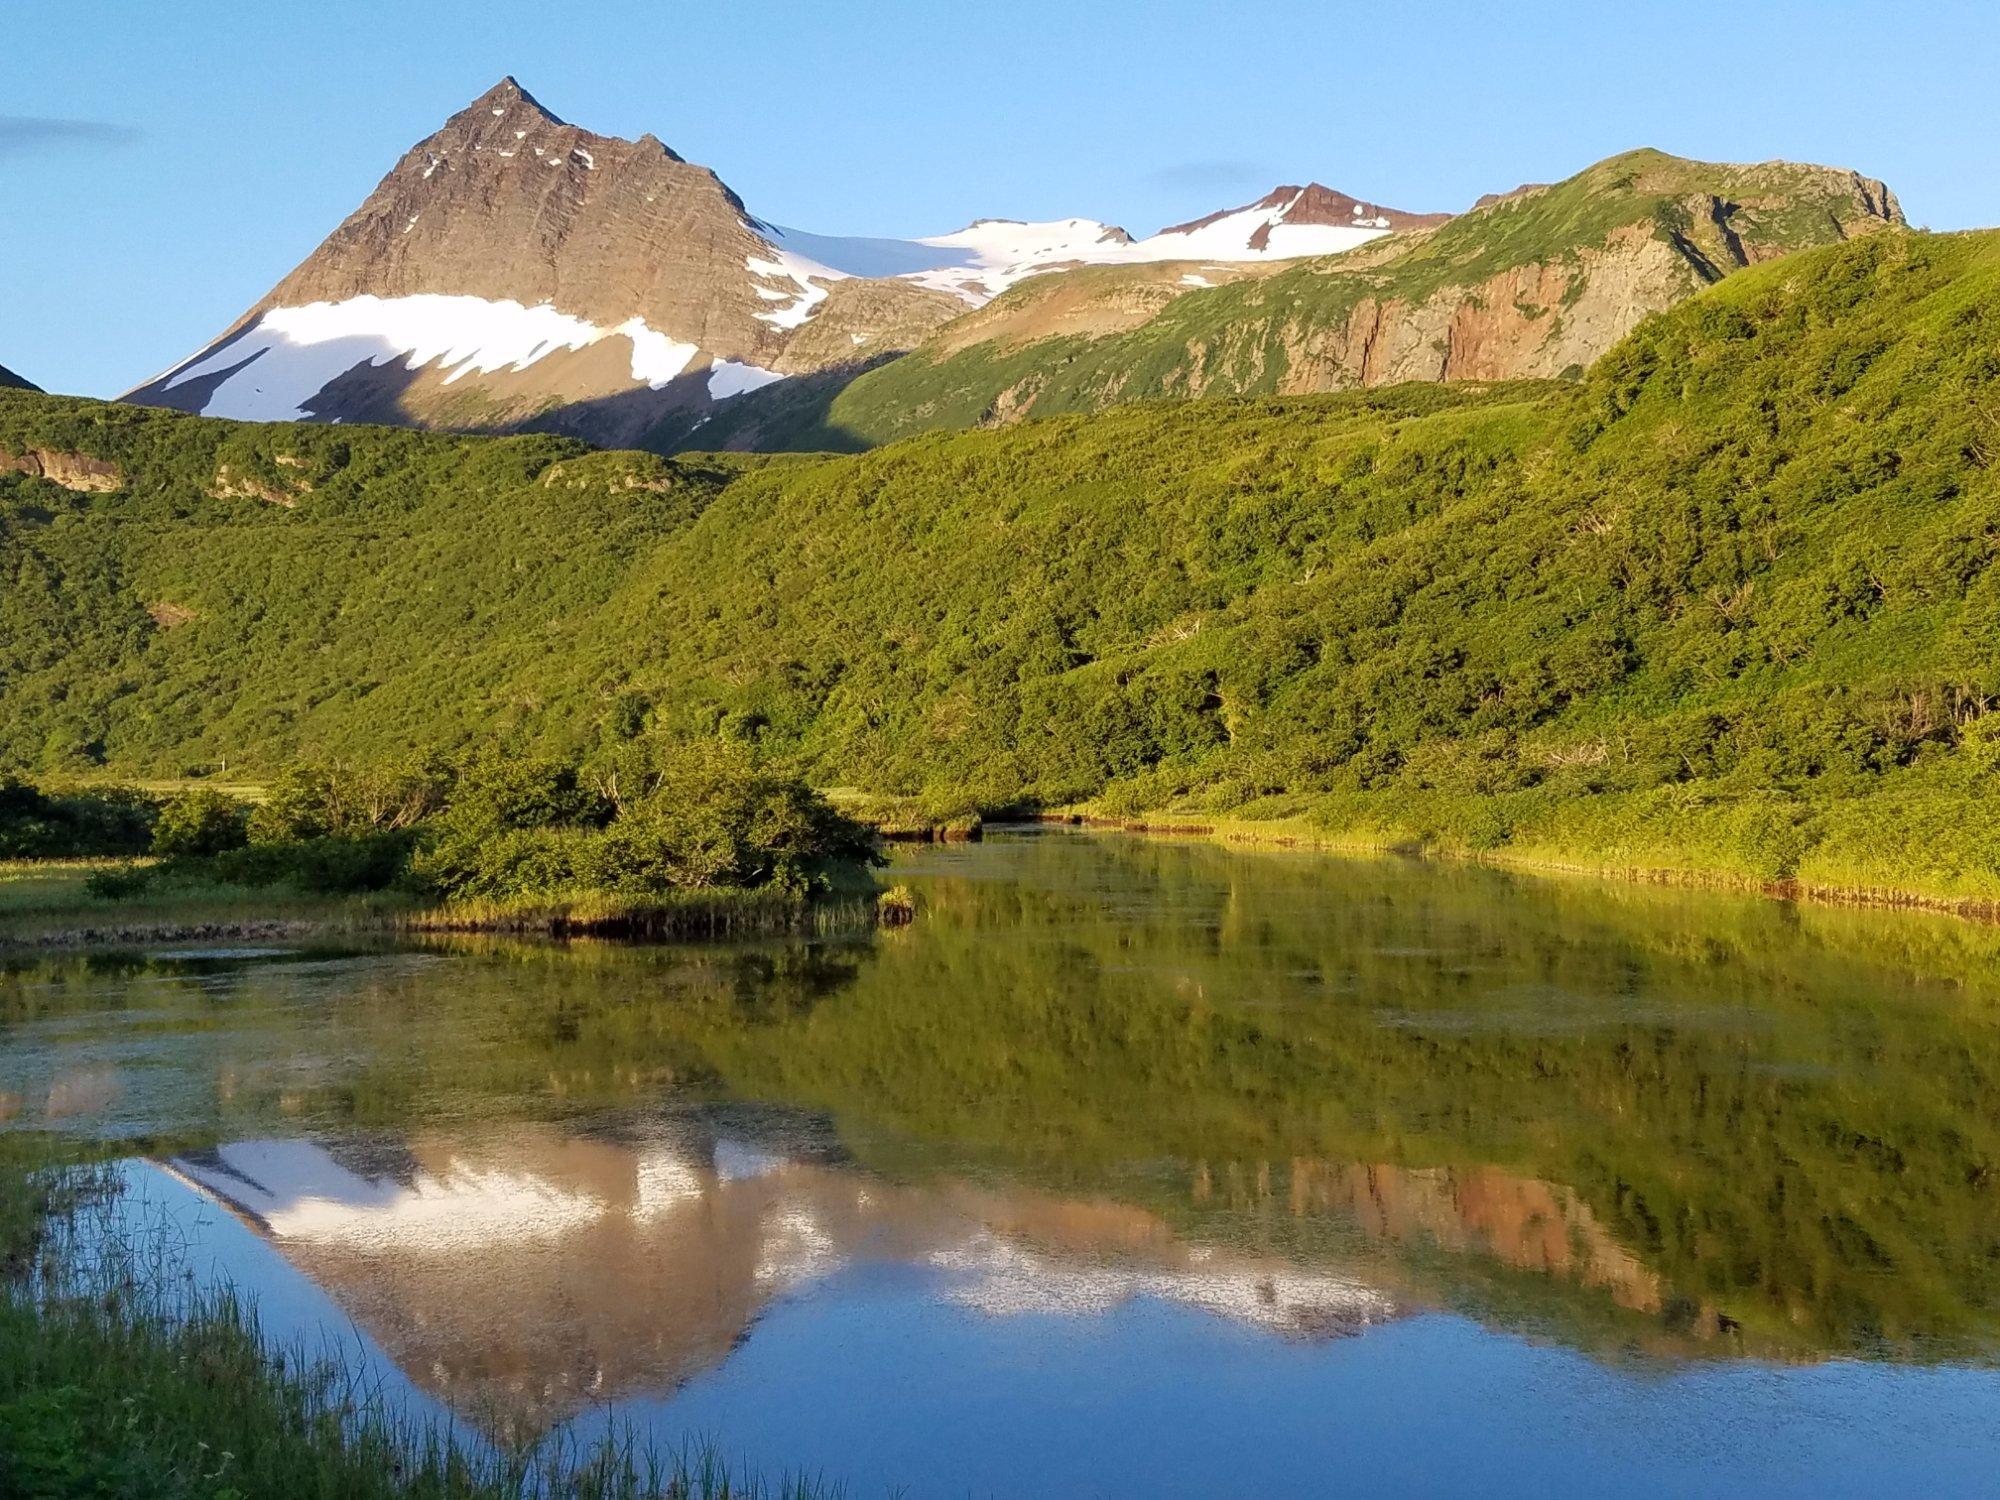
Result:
x=164 y=163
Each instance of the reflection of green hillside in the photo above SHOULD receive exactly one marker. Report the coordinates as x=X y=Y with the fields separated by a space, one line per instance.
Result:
x=1787 y=1117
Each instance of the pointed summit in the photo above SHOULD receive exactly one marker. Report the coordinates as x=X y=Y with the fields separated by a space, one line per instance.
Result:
x=507 y=96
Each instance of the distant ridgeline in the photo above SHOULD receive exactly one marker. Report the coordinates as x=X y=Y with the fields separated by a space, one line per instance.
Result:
x=1726 y=603
x=1535 y=283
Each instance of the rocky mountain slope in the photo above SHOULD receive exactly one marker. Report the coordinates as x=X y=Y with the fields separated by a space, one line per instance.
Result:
x=10 y=381
x=1533 y=283
x=516 y=271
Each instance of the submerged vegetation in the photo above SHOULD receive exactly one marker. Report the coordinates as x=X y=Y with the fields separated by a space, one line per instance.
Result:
x=1724 y=606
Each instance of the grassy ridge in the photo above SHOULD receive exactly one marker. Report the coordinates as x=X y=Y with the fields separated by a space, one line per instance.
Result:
x=1726 y=605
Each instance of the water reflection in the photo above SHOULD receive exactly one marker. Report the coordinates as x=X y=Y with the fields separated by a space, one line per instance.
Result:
x=524 y=1275
x=1298 y=1095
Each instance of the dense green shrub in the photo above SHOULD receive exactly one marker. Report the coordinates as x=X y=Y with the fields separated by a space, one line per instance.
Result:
x=331 y=864
x=93 y=824
x=1750 y=554
x=198 y=823
x=318 y=799
x=686 y=818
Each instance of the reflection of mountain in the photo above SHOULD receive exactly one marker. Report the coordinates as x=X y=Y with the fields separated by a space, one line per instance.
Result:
x=1523 y=1223
x=526 y=1274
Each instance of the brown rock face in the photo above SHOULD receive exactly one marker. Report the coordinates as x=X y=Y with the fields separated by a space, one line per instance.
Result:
x=73 y=471
x=509 y=202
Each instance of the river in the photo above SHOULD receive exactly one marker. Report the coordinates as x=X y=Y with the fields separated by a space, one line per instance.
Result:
x=1132 y=1167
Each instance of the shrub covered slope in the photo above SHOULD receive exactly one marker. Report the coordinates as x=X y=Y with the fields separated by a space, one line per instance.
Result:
x=1727 y=604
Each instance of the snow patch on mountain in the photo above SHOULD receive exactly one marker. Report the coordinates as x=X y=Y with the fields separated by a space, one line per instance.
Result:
x=984 y=259
x=731 y=377
x=293 y=353
x=805 y=275
x=1236 y=236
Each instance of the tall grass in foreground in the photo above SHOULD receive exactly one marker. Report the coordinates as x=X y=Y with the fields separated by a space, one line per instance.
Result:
x=121 y=1375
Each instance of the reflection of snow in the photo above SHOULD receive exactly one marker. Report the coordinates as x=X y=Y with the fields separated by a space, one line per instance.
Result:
x=302 y=1193
x=741 y=1216
x=664 y=1181
x=736 y=1160
x=797 y=1248
x=1002 y=1279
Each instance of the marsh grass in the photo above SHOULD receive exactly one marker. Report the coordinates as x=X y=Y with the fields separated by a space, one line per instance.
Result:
x=719 y=913
x=47 y=903
x=120 y=1374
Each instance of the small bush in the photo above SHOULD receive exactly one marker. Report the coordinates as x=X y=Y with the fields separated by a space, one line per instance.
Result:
x=118 y=884
x=199 y=823
x=330 y=865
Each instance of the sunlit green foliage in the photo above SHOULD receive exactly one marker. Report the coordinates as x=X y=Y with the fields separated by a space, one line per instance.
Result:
x=199 y=823
x=1727 y=604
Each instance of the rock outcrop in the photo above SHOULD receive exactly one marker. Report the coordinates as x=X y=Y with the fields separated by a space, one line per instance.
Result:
x=73 y=471
x=1537 y=282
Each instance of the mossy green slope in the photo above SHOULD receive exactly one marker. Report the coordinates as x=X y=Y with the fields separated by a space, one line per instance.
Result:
x=1686 y=223
x=1728 y=604
x=252 y=587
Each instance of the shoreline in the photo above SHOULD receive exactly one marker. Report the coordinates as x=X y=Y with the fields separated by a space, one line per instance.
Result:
x=1297 y=833
x=703 y=916
x=719 y=915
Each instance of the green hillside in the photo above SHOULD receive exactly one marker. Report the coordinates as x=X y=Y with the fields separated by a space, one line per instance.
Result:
x=1515 y=283
x=1725 y=605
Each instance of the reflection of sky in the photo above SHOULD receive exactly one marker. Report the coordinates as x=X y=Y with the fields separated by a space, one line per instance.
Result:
x=294 y=1312
x=889 y=1373
x=883 y=1381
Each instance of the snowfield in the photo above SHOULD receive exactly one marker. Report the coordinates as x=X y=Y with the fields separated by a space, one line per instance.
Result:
x=982 y=260
x=293 y=353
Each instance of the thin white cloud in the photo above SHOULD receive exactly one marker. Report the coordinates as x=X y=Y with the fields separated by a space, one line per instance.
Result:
x=20 y=134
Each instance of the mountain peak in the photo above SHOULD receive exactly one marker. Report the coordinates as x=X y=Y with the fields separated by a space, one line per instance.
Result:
x=507 y=96
x=1312 y=204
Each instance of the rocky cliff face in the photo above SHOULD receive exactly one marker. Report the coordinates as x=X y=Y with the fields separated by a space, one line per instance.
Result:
x=73 y=471
x=1537 y=282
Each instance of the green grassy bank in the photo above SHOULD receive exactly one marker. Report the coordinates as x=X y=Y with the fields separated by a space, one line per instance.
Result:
x=119 y=1378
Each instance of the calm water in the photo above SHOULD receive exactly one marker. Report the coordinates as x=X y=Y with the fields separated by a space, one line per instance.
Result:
x=1132 y=1169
